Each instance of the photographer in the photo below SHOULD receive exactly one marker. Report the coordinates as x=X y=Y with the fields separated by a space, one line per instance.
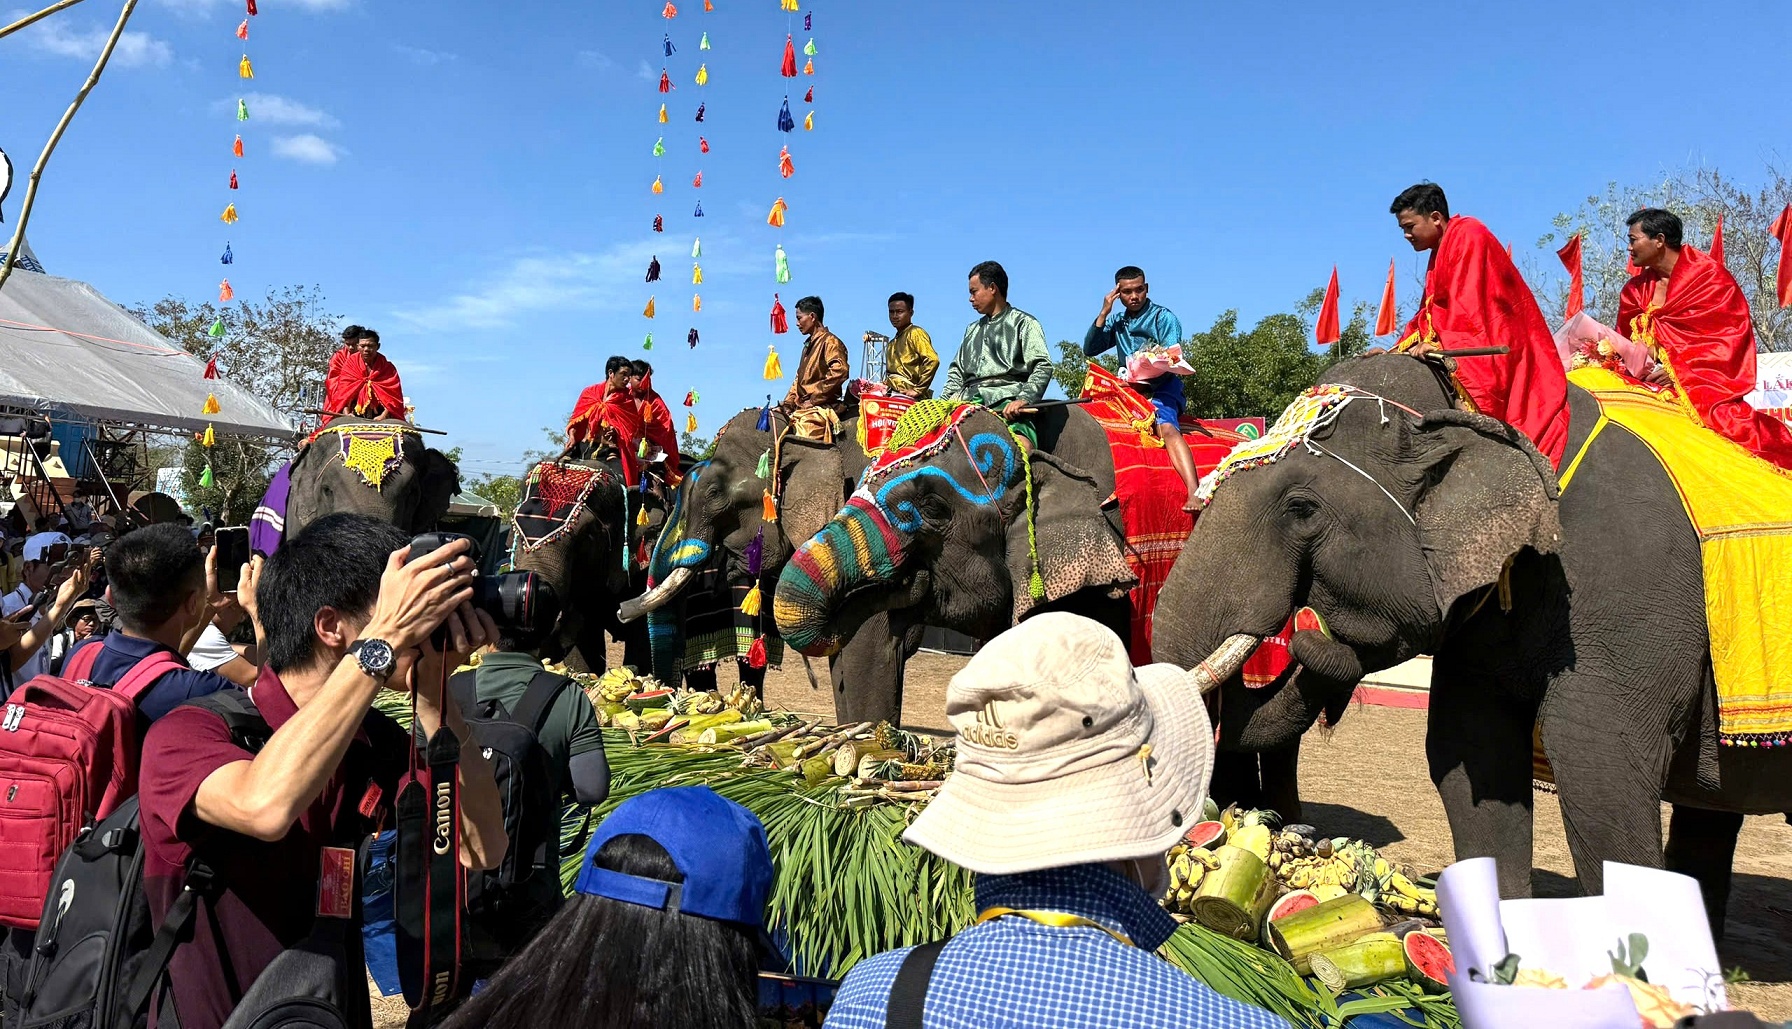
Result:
x=343 y=616
x=34 y=612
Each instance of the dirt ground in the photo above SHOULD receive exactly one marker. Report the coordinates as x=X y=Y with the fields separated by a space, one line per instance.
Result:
x=1367 y=779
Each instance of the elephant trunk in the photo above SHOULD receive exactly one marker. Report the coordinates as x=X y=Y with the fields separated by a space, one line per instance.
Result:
x=857 y=547
x=1224 y=662
x=655 y=598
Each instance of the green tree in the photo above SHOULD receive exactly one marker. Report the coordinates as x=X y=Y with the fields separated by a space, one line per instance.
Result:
x=1072 y=367
x=693 y=448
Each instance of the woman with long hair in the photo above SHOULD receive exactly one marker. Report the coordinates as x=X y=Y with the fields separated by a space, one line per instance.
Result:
x=663 y=927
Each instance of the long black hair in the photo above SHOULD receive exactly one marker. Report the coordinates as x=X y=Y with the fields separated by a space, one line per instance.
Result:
x=606 y=964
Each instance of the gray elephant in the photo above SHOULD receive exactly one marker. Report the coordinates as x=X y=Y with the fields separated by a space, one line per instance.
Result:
x=971 y=531
x=576 y=528
x=713 y=521
x=1416 y=528
x=379 y=469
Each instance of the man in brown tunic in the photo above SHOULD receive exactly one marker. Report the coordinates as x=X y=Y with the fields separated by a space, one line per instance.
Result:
x=815 y=399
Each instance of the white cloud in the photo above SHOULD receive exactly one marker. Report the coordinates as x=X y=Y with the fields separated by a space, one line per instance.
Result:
x=134 y=49
x=596 y=59
x=603 y=281
x=269 y=109
x=307 y=148
x=418 y=55
x=645 y=72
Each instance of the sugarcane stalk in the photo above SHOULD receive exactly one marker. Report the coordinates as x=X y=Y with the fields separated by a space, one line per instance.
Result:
x=782 y=754
x=1369 y=960
x=698 y=723
x=1234 y=896
x=777 y=734
x=815 y=769
x=860 y=756
x=913 y=787
x=1328 y=926
x=717 y=734
x=838 y=737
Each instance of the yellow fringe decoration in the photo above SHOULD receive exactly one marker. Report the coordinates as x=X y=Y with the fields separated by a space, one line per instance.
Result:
x=751 y=603
x=211 y=404
x=244 y=69
x=647 y=312
x=641 y=517
x=773 y=369
x=210 y=439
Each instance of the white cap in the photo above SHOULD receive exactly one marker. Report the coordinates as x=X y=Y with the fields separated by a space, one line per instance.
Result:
x=36 y=546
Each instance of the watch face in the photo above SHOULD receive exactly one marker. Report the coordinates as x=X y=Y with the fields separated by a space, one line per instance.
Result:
x=376 y=656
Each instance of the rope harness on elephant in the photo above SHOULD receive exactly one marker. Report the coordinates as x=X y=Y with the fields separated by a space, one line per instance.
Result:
x=553 y=495
x=373 y=453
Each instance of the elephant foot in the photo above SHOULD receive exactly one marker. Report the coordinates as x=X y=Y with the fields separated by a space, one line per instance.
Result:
x=1702 y=844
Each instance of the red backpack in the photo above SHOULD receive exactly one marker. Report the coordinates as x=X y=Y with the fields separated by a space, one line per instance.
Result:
x=68 y=757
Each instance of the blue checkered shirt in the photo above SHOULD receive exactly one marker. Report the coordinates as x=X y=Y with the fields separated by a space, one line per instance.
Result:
x=1010 y=973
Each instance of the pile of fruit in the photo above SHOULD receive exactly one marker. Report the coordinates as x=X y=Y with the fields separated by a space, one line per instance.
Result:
x=1333 y=908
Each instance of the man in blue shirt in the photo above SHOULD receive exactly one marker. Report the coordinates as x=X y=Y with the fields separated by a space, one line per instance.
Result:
x=1056 y=729
x=158 y=587
x=1142 y=325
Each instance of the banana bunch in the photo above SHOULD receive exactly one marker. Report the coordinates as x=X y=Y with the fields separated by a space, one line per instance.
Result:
x=1314 y=872
x=741 y=698
x=617 y=684
x=1188 y=866
x=696 y=703
x=1408 y=897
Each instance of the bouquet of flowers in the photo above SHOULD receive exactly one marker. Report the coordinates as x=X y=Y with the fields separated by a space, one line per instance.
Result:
x=1582 y=341
x=1152 y=362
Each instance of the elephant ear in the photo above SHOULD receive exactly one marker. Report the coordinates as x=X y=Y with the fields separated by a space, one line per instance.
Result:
x=1076 y=548
x=814 y=489
x=440 y=482
x=1489 y=494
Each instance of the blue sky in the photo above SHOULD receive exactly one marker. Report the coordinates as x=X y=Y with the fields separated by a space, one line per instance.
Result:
x=472 y=179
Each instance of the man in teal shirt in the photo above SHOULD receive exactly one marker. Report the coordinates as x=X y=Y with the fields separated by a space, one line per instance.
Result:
x=1144 y=325
x=1002 y=363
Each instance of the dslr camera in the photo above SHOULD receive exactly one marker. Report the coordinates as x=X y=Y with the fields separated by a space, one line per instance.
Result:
x=519 y=602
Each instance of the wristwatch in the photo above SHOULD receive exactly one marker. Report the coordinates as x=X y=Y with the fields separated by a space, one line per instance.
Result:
x=375 y=657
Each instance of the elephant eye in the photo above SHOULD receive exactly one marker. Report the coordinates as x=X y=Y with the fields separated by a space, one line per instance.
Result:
x=934 y=507
x=1302 y=507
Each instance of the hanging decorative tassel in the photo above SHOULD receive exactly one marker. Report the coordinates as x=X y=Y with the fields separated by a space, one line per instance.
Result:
x=785 y=167
x=809 y=122
x=755 y=553
x=788 y=67
x=665 y=81
x=659 y=147
x=670 y=49
x=211 y=372
x=211 y=399
x=773 y=369
x=658 y=186
x=702 y=145
x=698 y=213
x=662 y=114
x=242 y=31
x=647 y=344
x=648 y=311
x=690 y=423
x=216 y=330
x=768 y=507
x=249 y=5
x=641 y=448
x=237 y=147
x=690 y=399
x=659 y=223
x=809 y=97
x=764 y=468
x=228 y=257
x=765 y=425
x=205 y=478
x=709 y=5
x=641 y=518
x=700 y=108
x=692 y=338
x=749 y=604
x=244 y=69
x=697 y=181
x=696 y=248
x=809 y=48
x=225 y=293
x=756 y=654
x=653 y=270
x=233 y=178
x=776 y=218
x=671 y=10
x=696 y=275
x=789 y=5
x=780 y=324
x=703 y=44
x=229 y=215
x=696 y=308
x=809 y=21
x=242 y=111
x=785 y=122
x=703 y=75
x=808 y=67
x=783 y=263
x=210 y=439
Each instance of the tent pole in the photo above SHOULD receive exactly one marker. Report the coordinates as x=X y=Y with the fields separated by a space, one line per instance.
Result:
x=39 y=16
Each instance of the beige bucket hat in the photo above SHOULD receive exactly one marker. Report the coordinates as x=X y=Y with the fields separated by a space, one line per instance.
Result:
x=1067 y=754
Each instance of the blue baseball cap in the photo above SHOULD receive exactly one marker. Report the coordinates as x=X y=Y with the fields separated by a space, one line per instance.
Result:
x=718 y=845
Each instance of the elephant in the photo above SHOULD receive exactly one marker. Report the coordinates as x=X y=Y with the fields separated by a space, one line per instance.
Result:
x=943 y=536
x=1414 y=527
x=718 y=512
x=394 y=477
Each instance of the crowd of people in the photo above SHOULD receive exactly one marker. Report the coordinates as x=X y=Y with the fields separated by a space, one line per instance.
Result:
x=262 y=768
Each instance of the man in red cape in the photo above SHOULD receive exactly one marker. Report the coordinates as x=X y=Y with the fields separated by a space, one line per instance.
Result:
x=1688 y=310
x=656 y=418
x=606 y=412
x=1474 y=297
x=361 y=381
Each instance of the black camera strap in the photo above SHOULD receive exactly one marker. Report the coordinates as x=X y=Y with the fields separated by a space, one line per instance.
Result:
x=430 y=886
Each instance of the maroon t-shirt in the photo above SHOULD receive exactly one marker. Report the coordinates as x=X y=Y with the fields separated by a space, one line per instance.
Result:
x=270 y=896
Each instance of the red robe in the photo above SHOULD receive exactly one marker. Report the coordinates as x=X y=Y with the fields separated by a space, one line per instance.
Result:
x=599 y=409
x=1705 y=337
x=354 y=386
x=656 y=423
x=1474 y=297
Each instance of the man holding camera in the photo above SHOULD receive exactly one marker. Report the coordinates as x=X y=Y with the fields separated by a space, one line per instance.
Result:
x=343 y=616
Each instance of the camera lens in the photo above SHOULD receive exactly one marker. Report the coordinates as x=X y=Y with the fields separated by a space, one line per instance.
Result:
x=519 y=602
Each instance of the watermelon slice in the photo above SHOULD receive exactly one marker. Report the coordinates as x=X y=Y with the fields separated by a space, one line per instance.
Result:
x=1428 y=961
x=1308 y=620
x=1289 y=903
x=652 y=698
x=1206 y=834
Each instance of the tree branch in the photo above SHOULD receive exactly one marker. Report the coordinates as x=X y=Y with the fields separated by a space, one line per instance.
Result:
x=37 y=171
x=39 y=16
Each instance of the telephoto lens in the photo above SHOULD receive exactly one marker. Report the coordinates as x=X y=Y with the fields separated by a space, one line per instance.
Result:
x=521 y=603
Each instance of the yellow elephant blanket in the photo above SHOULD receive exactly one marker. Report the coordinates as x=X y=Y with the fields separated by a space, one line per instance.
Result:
x=1741 y=507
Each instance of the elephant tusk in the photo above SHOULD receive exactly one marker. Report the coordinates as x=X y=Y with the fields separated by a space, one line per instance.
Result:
x=655 y=598
x=1224 y=662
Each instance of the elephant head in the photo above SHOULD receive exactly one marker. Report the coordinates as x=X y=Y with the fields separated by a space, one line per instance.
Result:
x=959 y=524
x=574 y=530
x=1374 y=502
x=379 y=469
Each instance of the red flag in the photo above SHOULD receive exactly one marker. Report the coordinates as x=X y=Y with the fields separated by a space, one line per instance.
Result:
x=1326 y=331
x=1782 y=230
x=1387 y=321
x=211 y=367
x=1577 y=294
x=1717 y=241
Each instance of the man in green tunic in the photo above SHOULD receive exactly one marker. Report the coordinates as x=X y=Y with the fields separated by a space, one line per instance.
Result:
x=1002 y=363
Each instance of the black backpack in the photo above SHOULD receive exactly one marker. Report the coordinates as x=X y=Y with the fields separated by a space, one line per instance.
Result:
x=98 y=959
x=508 y=904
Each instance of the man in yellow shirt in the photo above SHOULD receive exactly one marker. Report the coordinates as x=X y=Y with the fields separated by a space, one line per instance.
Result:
x=909 y=360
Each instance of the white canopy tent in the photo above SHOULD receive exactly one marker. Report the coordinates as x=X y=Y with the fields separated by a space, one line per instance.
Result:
x=69 y=353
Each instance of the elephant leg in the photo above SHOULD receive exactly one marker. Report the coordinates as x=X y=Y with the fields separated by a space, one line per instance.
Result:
x=635 y=649
x=1478 y=745
x=1237 y=779
x=590 y=654
x=1702 y=844
x=867 y=675
x=703 y=680
x=754 y=678
x=1610 y=762
x=1281 y=782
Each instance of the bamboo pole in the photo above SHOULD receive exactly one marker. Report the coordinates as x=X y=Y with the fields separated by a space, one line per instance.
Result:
x=30 y=19
x=37 y=170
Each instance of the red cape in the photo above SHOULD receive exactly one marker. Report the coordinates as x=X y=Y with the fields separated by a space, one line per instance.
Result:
x=598 y=409
x=1474 y=297
x=1705 y=336
x=656 y=423
x=354 y=386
